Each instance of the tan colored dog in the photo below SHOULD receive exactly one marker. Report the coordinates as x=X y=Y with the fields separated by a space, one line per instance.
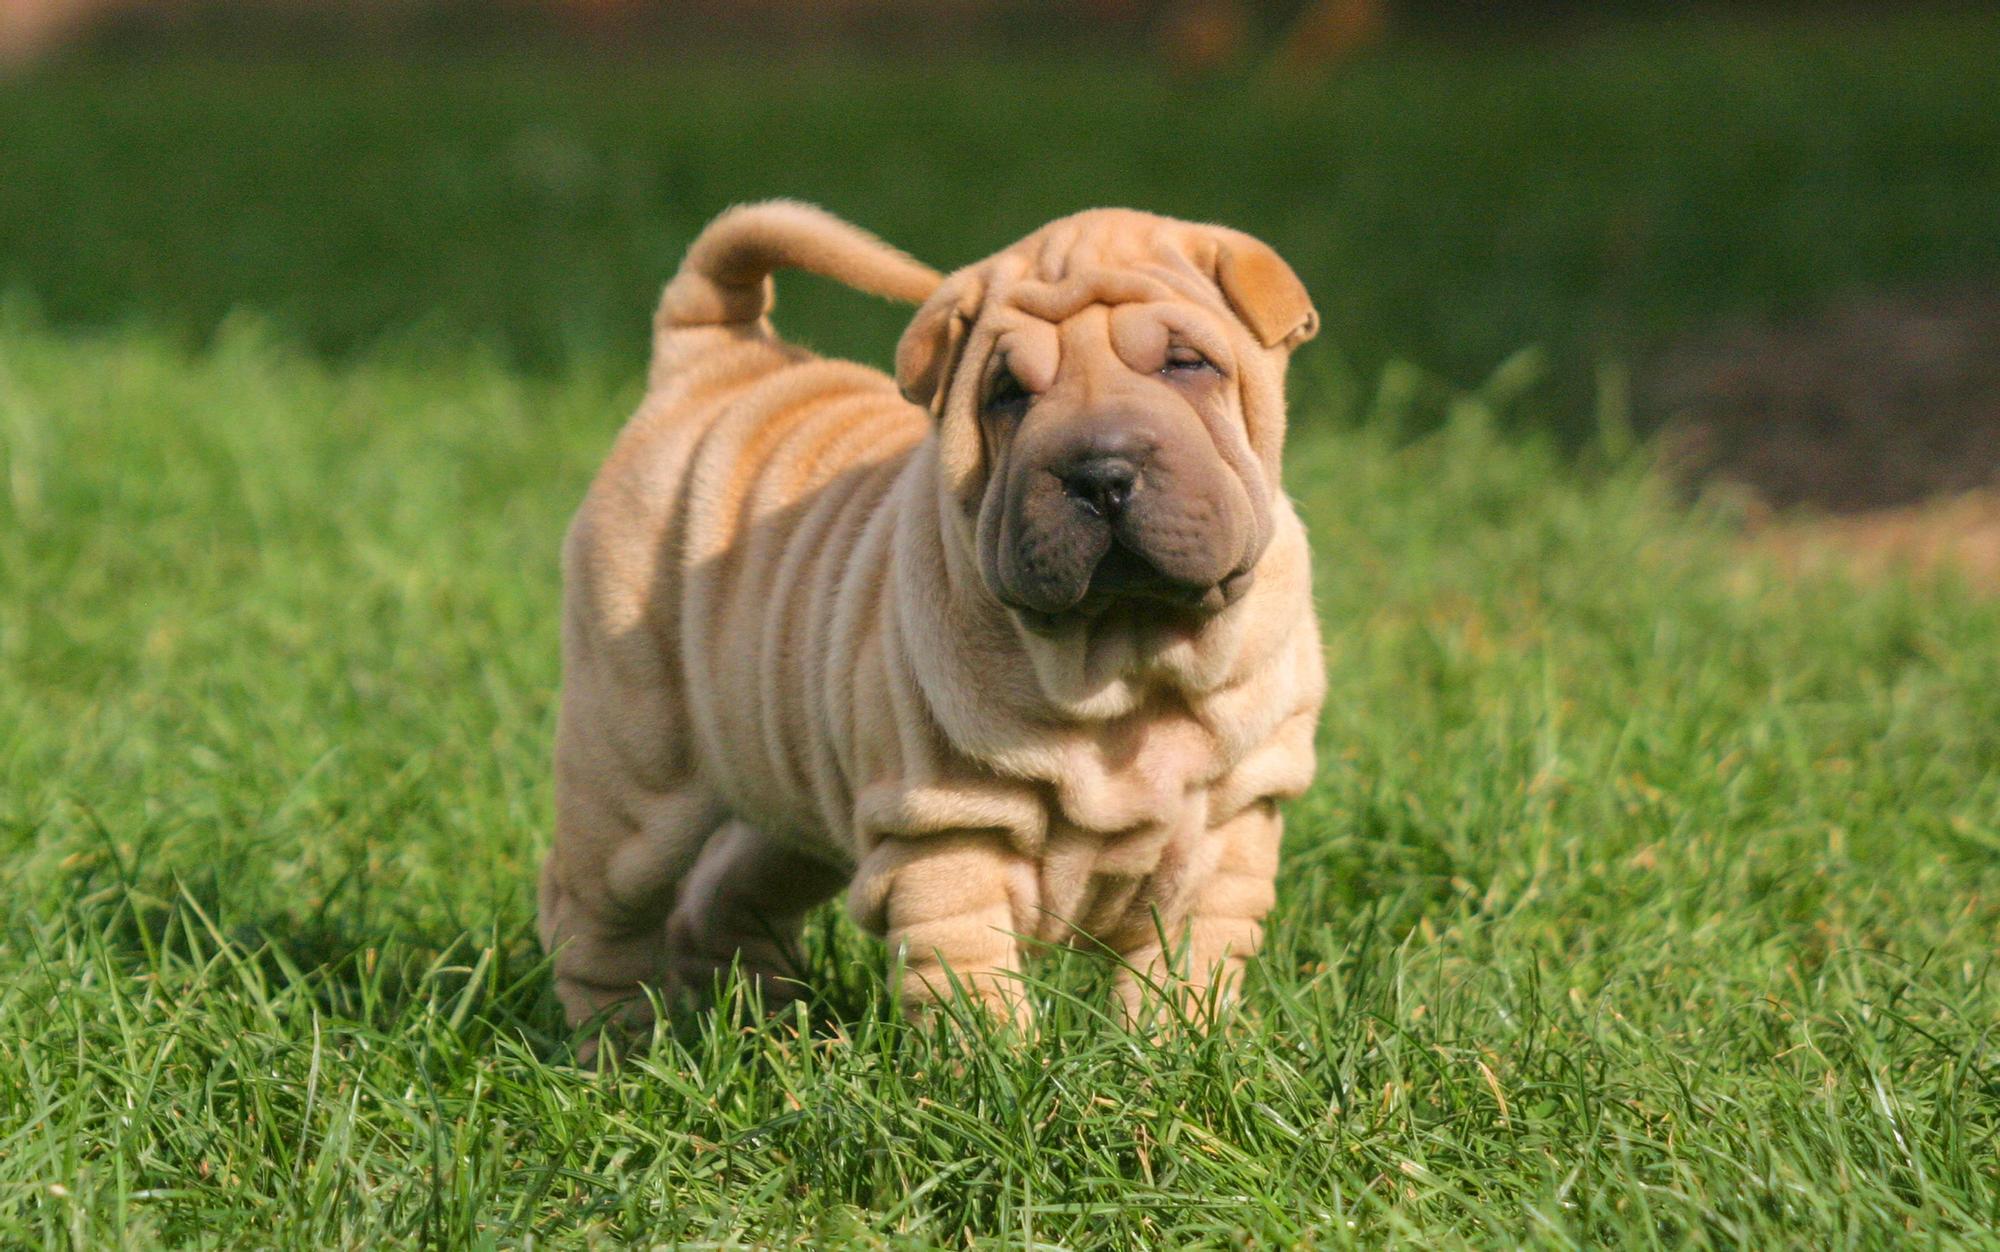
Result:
x=1023 y=650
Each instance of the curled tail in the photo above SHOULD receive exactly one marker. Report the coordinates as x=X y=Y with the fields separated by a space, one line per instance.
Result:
x=725 y=279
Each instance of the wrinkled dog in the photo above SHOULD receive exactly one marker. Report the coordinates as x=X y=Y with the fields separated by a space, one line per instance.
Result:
x=1018 y=646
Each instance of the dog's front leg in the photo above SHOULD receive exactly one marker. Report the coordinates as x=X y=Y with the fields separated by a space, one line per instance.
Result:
x=952 y=908
x=1201 y=962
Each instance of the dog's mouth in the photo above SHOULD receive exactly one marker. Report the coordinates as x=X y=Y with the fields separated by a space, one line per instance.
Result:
x=1124 y=574
x=1124 y=579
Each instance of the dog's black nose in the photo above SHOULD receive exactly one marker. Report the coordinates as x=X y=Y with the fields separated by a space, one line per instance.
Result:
x=1101 y=484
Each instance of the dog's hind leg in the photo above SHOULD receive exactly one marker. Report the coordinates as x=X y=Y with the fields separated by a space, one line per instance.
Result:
x=632 y=808
x=745 y=901
x=607 y=889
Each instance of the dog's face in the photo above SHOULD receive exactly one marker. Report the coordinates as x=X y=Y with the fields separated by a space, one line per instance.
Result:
x=1111 y=409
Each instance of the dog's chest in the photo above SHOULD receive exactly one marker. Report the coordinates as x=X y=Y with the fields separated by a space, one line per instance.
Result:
x=1127 y=823
x=1139 y=771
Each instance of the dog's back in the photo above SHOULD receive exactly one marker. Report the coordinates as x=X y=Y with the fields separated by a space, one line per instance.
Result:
x=744 y=483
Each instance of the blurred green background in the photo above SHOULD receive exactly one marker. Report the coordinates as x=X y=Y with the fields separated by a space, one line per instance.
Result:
x=1451 y=190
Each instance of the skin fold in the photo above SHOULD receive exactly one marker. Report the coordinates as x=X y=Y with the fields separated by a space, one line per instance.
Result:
x=1017 y=647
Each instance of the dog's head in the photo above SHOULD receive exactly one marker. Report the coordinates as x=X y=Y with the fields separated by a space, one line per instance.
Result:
x=1110 y=399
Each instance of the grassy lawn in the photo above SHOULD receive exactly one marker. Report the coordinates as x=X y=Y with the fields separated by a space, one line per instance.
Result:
x=1647 y=897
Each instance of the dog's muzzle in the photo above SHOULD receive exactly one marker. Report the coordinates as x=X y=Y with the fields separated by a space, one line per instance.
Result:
x=1108 y=523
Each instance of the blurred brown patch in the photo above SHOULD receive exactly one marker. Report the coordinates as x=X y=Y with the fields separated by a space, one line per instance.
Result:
x=1199 y=37
x=1327 y=33
x=1872 y=431
x=1960 y=535
x=30 y=29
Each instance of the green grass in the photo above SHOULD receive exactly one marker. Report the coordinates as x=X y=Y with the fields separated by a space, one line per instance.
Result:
x=1647 y=897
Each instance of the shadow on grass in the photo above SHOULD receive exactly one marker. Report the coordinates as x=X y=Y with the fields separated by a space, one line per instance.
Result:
x=352 y=962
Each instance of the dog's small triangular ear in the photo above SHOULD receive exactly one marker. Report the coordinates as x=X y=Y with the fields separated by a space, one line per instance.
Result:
x=1265 y=292
x=928 y=350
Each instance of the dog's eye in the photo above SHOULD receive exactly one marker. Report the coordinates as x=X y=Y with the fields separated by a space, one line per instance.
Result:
x=1187 y=361
x=1005 y=393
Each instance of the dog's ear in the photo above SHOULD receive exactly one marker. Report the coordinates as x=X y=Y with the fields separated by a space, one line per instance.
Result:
x=1264 y=291
x=929 y=348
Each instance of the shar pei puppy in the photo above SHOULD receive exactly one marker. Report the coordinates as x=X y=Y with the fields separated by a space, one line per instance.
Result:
x=1018 y=647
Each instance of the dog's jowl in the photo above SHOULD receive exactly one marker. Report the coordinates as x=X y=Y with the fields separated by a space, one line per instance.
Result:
x=1017 y=646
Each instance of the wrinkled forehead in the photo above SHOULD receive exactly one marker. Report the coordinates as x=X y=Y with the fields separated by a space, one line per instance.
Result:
x=1107 y=257
x=1131 y=284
